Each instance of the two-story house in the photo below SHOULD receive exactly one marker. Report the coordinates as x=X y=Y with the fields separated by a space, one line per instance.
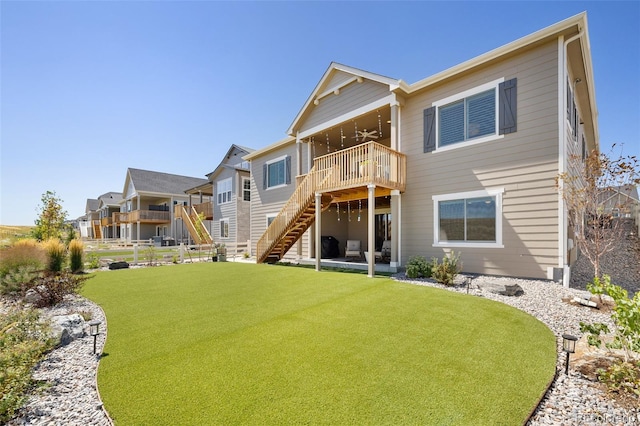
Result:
x=229 y=189
x=465 y=160
x=147 y=205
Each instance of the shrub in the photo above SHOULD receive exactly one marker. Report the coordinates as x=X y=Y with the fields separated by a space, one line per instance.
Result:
x=622 y=377
x=12 y=282
x=446 y=272
x=76 y=252
x=19 y=264
x=418 y=267
x=625 y=317
x=52 y=288
x=93 y=261
x=23 y=341
x=55 y=254
x=25 y=252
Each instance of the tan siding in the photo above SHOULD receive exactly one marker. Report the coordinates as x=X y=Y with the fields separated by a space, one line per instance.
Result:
x=523 y=163
x=351 y=97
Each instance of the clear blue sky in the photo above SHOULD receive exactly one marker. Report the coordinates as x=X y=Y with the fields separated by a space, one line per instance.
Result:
x=91 y=88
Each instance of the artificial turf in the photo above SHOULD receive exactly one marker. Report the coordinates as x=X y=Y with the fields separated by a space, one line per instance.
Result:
x=233 y=343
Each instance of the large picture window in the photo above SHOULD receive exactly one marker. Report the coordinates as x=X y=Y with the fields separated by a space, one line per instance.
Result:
x=224 y=191
x=472 y=219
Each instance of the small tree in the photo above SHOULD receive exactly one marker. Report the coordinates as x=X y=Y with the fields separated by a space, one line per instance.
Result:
x=591 y=191
x=51 y=217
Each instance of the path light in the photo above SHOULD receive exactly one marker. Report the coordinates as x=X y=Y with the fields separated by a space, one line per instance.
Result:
x=94 y=330
x=569 y=346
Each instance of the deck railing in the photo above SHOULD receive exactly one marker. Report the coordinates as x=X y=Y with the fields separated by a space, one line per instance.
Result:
x=106 y=221
x=205 y=208
x=364 y=164
x=302 y=196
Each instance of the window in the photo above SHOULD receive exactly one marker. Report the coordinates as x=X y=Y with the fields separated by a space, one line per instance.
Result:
x=471 y=219
x=224 y=228
x=224 y=191
x=477 y=115
x=270 y=218
x=246 y=189
x=468 y=118
x=277 y=172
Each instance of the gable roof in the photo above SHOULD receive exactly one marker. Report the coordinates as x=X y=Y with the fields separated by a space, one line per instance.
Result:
x=223 y=164
x=159 y=182
x=321 y=90
x=92 y=205
x=110 y=199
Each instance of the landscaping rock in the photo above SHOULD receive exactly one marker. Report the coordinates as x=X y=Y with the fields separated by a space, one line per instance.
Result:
x=118 y=265
x=501 y=288
x=66 y=328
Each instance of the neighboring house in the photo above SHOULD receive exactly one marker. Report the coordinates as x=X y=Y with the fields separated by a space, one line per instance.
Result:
x=108 y=204
x=230 y=191
x=147 y=205
x=464 y=160
x=91 y=225
x=621 y=201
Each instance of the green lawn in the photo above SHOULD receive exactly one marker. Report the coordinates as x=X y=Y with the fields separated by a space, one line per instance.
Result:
x=234 y=343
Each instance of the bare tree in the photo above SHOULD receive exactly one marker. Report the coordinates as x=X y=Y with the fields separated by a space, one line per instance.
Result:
x=595 y=191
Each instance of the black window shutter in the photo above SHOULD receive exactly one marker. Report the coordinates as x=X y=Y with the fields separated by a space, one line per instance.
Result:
x=508 y=102
x=264 y=176
x=287 y=171
x=429 y=129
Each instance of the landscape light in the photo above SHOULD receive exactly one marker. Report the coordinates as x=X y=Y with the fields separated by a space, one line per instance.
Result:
x=569 y=346
x=94 y=330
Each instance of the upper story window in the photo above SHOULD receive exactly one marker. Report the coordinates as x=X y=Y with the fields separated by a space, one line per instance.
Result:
x=224 y=191
x=277 y=172
x=246 y=189
x=476 y=115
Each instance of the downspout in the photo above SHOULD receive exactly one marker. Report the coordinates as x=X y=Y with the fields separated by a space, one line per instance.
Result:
x=563 y=264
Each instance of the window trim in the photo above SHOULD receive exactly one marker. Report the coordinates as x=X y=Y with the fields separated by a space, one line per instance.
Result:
x=230 y=191
x=282 y=158
x=269 y=216
x=493 y=192
x=463 y=95
x=243 y=180
x=223 y=221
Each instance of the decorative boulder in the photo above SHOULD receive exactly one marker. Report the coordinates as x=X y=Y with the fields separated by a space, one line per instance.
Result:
x=501 y=288
x=66 y=328
x=118 y=265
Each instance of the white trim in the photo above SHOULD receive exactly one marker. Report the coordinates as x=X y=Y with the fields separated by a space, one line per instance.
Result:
x=387 y=100
x=562 y=135
x=273 y=161
x=230 y=191
x=492 y=85
x=493 y=192
x=269 y=216
x=470 y=92
x=226 y=220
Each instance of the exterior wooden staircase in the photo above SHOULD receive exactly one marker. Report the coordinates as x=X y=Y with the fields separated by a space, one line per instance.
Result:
x=294 y=219
x=194 y=224
x=97 y=229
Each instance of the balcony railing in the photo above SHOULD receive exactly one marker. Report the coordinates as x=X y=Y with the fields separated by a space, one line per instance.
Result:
x=143 y=216
x=106 y=221
x=205 y=208
x=368 y=163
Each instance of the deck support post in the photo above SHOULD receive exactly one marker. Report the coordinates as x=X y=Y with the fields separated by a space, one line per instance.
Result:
x=318 y=230
x=395 y=228
x=371 y=235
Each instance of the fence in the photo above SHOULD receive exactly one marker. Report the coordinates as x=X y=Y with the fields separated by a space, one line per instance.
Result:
x=144 y=252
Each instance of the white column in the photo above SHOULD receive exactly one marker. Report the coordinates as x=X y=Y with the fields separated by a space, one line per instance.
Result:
x=371 y=235
x=395 y=228
x=318 y=230
x=138 y=222
x=394 y=126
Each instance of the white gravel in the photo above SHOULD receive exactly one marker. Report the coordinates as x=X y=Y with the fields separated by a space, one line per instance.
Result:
x=72 y=398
